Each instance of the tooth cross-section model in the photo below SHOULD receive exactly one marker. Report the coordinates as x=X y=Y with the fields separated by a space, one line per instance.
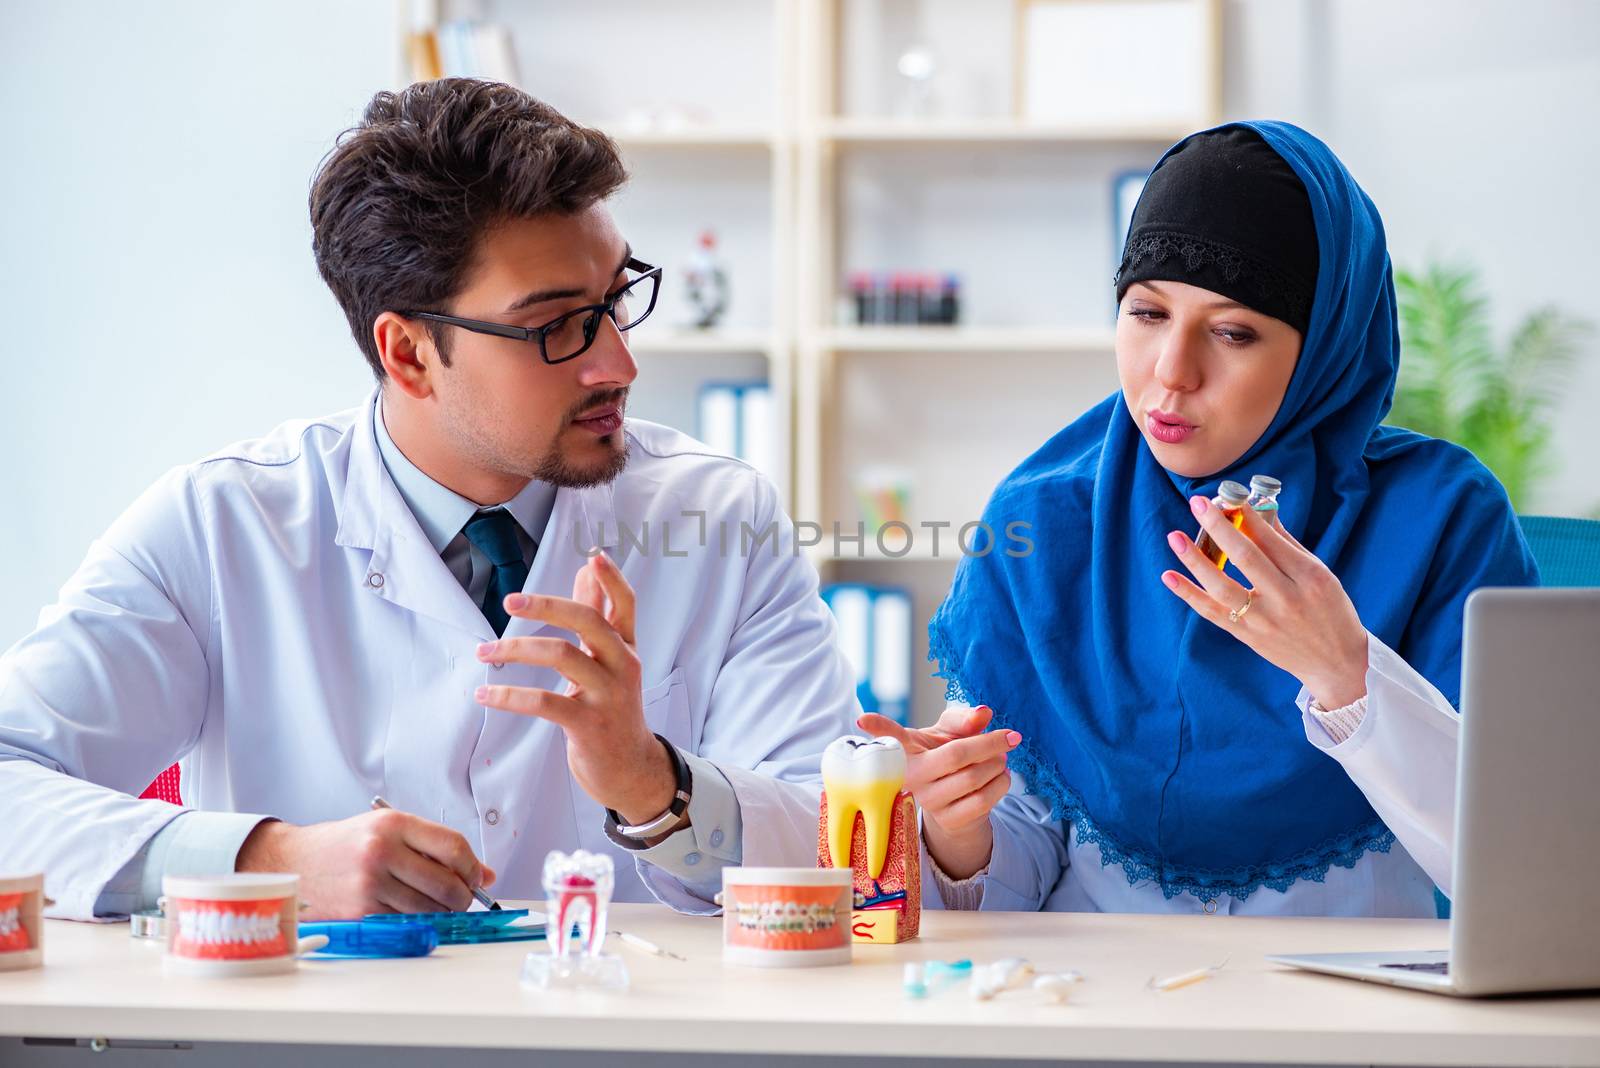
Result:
x=577 y=886
x=869 y=824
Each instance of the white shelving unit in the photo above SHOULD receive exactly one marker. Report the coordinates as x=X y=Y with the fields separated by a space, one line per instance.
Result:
x=691 y=136
x=729 y=342
x=956 y=406
x=975 y=339
x=978 y=131
x=908 y=394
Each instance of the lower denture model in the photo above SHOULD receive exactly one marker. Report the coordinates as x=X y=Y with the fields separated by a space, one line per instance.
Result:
x=13 y=935
x=228 y=930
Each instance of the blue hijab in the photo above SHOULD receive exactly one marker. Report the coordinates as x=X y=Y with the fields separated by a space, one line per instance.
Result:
x=1167 y=742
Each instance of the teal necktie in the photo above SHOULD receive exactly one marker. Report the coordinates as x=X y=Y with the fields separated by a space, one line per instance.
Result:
x=494 y=532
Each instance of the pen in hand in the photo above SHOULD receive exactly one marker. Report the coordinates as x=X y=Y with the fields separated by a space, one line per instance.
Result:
x=477 y=891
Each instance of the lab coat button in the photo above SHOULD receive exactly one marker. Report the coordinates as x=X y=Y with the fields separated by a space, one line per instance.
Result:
x=716 y=839
x=375 y=580
x=492 y=817
x=691 y=859
x=1211 y=907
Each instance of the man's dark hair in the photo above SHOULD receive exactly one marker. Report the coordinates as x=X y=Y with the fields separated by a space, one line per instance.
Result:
x=398 y=205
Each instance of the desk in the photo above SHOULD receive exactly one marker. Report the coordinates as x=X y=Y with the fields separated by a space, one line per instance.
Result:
x=97 y=982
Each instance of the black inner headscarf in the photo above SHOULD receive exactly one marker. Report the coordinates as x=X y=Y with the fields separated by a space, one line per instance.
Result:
x=1224 y=212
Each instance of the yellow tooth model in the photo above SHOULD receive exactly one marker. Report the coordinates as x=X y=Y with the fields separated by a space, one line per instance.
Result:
x=868 y=823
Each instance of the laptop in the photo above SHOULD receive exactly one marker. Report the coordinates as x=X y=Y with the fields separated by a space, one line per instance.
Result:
x=1527 y=831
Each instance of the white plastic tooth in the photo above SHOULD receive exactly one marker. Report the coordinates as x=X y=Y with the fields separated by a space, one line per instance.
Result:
x=862 y=775
x=9 y=921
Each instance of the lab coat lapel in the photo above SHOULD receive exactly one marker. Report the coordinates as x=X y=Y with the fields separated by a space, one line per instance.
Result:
x=404 y=570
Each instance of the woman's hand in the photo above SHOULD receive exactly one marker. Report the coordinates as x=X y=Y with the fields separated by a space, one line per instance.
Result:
x=1295 y=614
x=957 y=773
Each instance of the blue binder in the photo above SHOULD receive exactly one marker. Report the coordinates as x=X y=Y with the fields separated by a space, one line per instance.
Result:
x=875 y=635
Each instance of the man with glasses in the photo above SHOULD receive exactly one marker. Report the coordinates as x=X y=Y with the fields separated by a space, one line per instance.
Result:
x=482 y=595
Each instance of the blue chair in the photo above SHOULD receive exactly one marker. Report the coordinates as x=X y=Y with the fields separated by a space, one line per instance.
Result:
x=1568 y=550
x=1568 y=554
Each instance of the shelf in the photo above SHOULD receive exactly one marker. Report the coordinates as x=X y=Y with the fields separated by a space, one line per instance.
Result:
x=861 y=131
x=994 y=130
x=688 y=136
x=969 y=339
x=710 y=342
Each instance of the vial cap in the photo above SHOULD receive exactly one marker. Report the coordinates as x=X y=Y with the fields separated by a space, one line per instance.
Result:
x=1265 y=484
x=1233 y=493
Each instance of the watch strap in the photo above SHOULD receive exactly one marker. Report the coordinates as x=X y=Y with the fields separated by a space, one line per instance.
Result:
x=673 y=819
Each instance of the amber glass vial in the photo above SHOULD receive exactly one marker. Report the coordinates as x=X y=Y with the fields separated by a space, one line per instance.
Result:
x=1231 y=498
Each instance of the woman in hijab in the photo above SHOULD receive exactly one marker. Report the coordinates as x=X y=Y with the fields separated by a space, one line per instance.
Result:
x=1278 y=737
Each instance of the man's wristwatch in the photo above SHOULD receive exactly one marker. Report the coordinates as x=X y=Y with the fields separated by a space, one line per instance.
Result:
x=674 y=819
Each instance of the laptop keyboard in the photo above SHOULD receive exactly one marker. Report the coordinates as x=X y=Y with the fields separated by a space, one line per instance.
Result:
x=1440 y=967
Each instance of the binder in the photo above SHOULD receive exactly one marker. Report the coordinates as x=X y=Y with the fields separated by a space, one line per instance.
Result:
x=736 y=418
x=874 y=625
x=717 y=421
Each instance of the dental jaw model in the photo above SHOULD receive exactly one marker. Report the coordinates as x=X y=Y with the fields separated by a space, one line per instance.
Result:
x=869 y=824
x=21 y=907
x=234 y=924
x=786 y=917
x=577 y=890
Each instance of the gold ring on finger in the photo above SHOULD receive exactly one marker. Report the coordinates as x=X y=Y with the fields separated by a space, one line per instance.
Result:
x=1238 y=613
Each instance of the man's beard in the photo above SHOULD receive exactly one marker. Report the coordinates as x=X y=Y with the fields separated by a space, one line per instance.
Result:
x=560 y=472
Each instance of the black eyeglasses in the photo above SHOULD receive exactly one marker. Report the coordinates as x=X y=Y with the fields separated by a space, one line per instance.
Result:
x=569 y=336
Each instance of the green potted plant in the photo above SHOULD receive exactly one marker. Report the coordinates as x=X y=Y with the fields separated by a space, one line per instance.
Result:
x=1456 y=384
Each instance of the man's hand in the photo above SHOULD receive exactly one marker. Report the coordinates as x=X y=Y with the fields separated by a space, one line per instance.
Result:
x=612 y=753
x=383 y=861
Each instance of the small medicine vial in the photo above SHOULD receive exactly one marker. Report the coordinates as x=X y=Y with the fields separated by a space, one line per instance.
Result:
x=1264 y=490
x=1231 y=499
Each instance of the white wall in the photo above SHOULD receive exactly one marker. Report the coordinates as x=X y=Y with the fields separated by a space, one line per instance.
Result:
x=162 y=300
x=155 y=253
x=1475 y=128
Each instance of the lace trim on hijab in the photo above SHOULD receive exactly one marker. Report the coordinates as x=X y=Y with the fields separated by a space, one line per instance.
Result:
x=1044 y=781
x=1229 y=262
